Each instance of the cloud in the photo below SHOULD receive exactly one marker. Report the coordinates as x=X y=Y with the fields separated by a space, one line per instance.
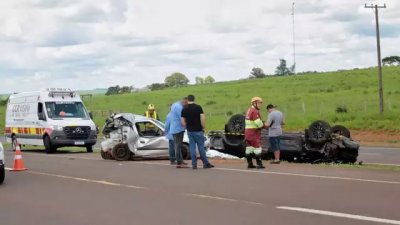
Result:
x=87 y=44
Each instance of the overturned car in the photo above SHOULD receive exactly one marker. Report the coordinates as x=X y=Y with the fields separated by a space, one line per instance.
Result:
x=319 y=143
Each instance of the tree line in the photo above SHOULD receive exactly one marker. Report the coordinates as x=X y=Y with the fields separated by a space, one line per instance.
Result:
x=179 y=79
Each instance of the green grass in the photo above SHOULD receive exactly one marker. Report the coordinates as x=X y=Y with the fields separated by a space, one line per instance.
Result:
x=302 y=99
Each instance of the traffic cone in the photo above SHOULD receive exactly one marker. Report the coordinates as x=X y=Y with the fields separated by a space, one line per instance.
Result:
x=18 y=163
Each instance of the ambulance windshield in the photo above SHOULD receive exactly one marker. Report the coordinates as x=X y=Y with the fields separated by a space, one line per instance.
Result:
x=60 y=110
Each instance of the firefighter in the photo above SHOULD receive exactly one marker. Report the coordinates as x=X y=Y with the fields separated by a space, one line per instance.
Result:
x=151 y=112
x=254 y=125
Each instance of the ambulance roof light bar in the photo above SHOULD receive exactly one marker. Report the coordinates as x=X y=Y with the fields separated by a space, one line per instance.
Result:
x=60 y=92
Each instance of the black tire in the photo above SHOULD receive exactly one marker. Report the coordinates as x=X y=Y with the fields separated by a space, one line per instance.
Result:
x=2 y=174
x=233 y=140
x=319 y=132
x=48 y=146
x=341 y=130
x=121 y=152
x=89 y=148
x=185 y=152
x=14 y=143
x=105 y=155
x=236 y=124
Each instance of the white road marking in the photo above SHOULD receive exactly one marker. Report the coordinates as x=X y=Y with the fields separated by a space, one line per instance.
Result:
x=103 y=182
x=8 y=168
x=222 y=199
x=341 y=215
x=382 y=164
x=243 y=170
x=370 y=154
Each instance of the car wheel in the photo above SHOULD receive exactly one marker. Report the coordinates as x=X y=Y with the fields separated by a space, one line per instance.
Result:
x=319 y=132
x=2 y=173
x=48 y=146
x=185 y=152
x=341 y=130
x=89 y=148
x=105 y=155
x=236 y=124
x=121 y=152
x=14 y=143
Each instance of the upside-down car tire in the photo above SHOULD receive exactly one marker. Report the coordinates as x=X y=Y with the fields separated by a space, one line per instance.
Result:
x=341 y=130
x=236 y=124
x=319 y=132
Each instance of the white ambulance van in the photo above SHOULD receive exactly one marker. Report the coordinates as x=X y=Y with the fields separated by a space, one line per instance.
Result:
x=53 y=118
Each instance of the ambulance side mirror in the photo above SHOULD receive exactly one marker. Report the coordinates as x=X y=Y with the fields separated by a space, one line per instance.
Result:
x=91 y=115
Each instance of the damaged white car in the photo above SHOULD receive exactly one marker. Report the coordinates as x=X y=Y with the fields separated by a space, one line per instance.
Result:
x=128 y=136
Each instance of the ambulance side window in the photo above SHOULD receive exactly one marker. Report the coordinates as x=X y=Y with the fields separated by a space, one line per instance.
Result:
x=41 y=114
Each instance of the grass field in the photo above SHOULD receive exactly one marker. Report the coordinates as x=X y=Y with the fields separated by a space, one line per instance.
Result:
x=302 y=98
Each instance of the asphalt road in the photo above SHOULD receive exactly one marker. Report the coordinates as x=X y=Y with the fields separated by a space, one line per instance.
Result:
x=81 y=188
x=378 y=155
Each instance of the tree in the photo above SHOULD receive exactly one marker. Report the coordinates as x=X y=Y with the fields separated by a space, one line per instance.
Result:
x=209 y=80
x=257 y=72
x=126 y=89
x=199 y=80
x=113 y=90
x=282 y=69
x=176 y=79
x=391 y=61
x=157 y=86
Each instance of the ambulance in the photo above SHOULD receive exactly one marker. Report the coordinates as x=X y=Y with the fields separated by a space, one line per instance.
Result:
x=53 y=118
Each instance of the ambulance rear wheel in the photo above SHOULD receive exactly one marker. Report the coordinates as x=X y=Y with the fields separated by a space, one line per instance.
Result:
x=14 y=143
x=2 y=173
x=48 y=146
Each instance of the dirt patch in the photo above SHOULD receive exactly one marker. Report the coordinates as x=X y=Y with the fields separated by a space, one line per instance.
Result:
x=377 y=138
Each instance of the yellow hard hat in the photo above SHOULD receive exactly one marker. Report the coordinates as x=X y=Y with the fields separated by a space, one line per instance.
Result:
x=151 y=107
x=256 y=99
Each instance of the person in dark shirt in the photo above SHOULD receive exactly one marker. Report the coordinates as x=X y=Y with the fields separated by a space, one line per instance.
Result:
x=194 y=120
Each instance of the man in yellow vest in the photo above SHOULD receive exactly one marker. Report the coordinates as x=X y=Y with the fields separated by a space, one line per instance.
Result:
x=252 y=135
x=151 y=112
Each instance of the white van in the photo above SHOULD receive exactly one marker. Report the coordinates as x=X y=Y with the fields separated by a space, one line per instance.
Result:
x=53 y=118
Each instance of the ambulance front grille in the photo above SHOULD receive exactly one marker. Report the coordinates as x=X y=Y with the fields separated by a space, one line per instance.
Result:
x=80 y=132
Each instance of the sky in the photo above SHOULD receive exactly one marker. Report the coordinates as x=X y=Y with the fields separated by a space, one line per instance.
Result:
x=87 y=44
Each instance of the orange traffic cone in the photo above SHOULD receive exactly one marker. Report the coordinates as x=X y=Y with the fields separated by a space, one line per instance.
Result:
x=18 y=163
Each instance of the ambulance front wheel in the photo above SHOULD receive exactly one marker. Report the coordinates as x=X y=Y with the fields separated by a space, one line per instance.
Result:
x=48 y=146
x=89 y=148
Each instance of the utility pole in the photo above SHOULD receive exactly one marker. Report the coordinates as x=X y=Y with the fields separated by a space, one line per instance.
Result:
x=378 y=43
x=294 y=41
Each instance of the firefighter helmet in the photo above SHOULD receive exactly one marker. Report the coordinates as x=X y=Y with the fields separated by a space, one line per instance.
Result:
x=256 y=99
x=151 y=107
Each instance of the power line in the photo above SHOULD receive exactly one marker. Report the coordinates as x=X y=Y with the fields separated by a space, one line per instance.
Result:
x=378 y=44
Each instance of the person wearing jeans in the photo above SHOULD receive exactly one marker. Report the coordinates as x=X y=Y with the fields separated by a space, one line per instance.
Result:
x=194 y=120
x=177 y=131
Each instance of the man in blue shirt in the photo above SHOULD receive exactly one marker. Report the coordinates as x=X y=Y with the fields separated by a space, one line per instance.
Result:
x=177 y=130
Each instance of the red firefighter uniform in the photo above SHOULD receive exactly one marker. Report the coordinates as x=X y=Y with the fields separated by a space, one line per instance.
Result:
x=254 y=124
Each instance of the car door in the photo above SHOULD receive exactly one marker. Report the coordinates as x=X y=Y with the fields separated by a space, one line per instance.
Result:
x=152 y=140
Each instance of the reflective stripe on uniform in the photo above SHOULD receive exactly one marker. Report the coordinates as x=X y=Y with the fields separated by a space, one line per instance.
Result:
x=154 y=115
x=254 y=124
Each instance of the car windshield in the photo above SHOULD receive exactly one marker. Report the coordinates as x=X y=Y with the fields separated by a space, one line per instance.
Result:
x=60 y=110
x=159 y=123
